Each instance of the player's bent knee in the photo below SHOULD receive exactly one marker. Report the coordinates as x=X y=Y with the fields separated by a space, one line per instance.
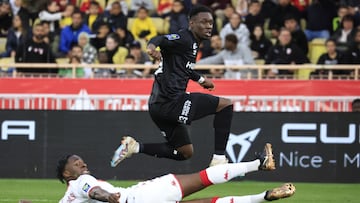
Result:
x=187 y=151
x=223 y=103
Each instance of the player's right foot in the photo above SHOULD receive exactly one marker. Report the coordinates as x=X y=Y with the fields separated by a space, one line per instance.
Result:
x=286 y=190
x=127 y=147
x=267 y=162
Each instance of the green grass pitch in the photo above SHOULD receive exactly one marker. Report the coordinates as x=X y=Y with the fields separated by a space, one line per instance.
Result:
x=49 y=191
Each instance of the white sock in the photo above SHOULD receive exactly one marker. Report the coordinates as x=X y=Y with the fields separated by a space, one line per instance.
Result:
x=225 y=172
x=242 y=199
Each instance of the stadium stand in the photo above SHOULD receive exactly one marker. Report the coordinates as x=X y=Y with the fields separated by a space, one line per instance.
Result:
x=316 y=48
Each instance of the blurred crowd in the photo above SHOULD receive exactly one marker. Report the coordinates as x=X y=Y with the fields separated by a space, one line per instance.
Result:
x=85 y=32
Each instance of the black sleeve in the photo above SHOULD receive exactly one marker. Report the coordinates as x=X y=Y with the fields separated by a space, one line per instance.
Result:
x=19 y=56
x=321 y=59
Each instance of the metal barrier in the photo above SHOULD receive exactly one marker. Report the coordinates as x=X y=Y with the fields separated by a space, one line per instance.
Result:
x=84 y=101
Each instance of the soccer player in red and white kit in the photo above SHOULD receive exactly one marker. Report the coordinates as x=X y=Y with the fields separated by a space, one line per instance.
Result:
x=170 y=188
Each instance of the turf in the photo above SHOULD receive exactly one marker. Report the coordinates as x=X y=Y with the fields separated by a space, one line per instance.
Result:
x=43 y=191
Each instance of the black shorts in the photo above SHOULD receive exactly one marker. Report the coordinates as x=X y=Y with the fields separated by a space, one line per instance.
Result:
x=178 y=113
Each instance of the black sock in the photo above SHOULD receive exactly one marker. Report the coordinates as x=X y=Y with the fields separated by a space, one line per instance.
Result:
x=222 y=125
x=161 y=150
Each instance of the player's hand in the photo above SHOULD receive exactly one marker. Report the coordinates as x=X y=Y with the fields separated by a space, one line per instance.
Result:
x=208 y=84
x=151 y=50
x=114 y=198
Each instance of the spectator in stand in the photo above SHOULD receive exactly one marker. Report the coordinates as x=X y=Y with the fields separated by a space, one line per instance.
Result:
x=143 y=27
x=116 y=18
x=35 y=50
x=75 y=57
x=63 y=3
x=235 y=26
x=163 y=9
x=141 y=57
x=102 y=59
x=216 y=47
x=178 y=18
x=233 y=54
x=50 y=38
x=93 y=17
x=99 y=40
x=284 y=52
x=123 y=4
x=242 y=7
x=125 y=37
x=353 y=54
x=228 y=11
x=19 y=9
x=137 y=4
x=254 y=17
x=115 y=54
x=298 y=36
x=319 y=17
x=331 y=57
x=216 y=6
x=89 y=52
x=85 y=6
x=267 y=8
x=53 y=15
x=281 y=10
x=355 y=105
x=5 y=18
x=344 y=36
x=301 y=5
x=70 y=34
x=341 y=12
x=67 y=20
x=17 y=34
x=260 y=45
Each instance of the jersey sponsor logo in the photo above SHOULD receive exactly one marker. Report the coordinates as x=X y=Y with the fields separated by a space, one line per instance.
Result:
x=86 y=187
x=172 y=36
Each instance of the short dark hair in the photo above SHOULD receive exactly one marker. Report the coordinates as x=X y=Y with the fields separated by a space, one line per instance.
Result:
x=199 y=9
x=231 y=38
x=94 y=3
x=355 y=101
x=61 y=167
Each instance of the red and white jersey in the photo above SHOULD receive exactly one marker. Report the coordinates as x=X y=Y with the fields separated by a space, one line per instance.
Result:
x=78 y=190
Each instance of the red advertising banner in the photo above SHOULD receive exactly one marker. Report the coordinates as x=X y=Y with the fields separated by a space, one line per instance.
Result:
x=132 y=94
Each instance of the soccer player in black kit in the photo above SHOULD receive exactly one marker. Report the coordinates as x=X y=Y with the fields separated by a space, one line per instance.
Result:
x=170 y=107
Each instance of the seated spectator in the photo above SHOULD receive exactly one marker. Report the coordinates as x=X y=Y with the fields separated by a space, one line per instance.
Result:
x=344 y=36
x=35 y=50
x=284 y=52
x=298 y=36
x=70 y=34
x=130 y=60
x=254 y=16
x=68 y=72
x=18 y=8
x=141 y=57
x=342 y=11
x=235 y=26
x=143 y=27
x=353 y=54
x=318 y=19
x=137 y=4
x=217 y=6
x=86 y=4
x=125 y=37
x=53 y=15
x=102 y=59
x=5 y=18
x=215 y=44
x=123 y=4
x=355 y=105
x=89 y=55
x=301 y=5
x=63 y=3
x=163 y=8
x=99 y=40
x=93 y=17
x=51 y=38
x=228 y=11
x=115 y=17
x=331 y=57
x=67 y=19
x=17 y=34
x=115 y=54
x=233 y=54
x=178 y=18
x=281 y=10
x=260 y=45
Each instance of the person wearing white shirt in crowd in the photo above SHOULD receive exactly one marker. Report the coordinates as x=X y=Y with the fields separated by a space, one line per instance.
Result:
x=235 y=26
x=232 y=54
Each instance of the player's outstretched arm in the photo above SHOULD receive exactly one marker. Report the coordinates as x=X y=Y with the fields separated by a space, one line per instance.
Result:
x=104 y=196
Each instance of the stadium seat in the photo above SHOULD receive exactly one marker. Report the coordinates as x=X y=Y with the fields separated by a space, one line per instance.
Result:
x=4 y=63
x=62 y=60
x=2 y=44
x=316 y=48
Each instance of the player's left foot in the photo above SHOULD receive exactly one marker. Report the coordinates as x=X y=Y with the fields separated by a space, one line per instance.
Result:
x=127 y=147
x=286 y=190
x=267 y=162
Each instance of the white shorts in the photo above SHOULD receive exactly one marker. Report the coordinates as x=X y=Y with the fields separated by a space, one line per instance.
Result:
x=164 y=189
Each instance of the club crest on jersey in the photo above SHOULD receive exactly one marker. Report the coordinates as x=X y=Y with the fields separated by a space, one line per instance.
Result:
x=172 y=36
x=86 y=187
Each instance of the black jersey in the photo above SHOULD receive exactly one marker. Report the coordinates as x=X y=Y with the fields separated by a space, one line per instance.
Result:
x=176 y=67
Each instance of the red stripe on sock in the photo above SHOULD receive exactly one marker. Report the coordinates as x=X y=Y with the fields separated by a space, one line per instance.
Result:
x=204 y=178
x=213 y=200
